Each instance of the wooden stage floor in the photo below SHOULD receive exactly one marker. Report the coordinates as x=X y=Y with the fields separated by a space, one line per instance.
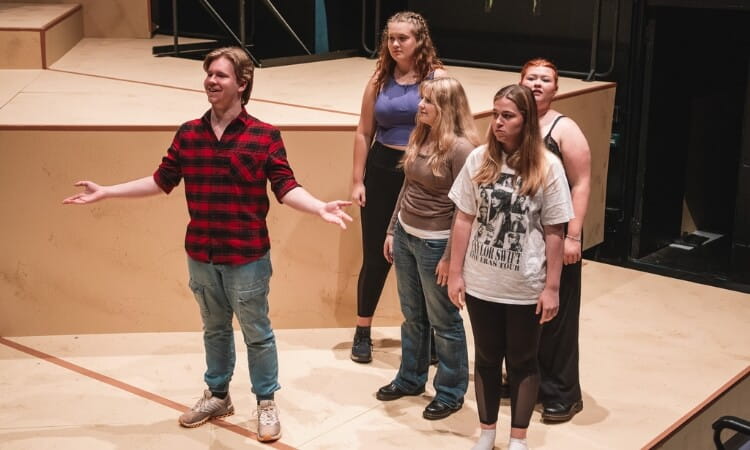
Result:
x=652 y=349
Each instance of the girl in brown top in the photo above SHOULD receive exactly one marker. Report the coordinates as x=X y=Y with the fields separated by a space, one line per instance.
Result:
x=417 y=244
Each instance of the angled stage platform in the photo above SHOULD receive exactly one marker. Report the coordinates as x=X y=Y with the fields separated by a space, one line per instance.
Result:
x=108 y=110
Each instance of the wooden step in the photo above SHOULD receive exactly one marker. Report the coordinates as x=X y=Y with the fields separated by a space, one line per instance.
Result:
x=35 y=35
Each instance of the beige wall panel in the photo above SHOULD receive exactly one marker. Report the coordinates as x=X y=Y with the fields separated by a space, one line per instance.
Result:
x=63 y=36
x=697 y=434
x=482 y=124
x=111 y=18
x=317 y=265
x=20 y=50
x=116 y=266
x=119 y=265
x=592 y=111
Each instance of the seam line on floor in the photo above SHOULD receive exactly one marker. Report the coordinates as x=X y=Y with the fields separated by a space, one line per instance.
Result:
x=130 y=389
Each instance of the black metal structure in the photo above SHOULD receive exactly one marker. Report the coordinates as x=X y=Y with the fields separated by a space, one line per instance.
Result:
x=371 y=53
x=200 y=49
x=740 y=441
x=590 y=75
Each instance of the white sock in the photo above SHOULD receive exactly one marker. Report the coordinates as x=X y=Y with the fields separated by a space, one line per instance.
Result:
x=517 y=444
x=486 y=440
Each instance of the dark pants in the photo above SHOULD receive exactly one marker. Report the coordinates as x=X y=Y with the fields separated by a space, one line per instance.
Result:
x=558 y=350
x=383 y=180
x=510 y=332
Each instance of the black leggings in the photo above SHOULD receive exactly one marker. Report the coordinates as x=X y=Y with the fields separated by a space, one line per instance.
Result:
x=383 y=180
x=510 y=332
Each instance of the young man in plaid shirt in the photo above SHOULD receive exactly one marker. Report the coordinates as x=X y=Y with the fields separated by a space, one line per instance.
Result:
x=226 y=159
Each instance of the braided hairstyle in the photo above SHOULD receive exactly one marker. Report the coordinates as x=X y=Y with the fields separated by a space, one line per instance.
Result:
x=425 y=57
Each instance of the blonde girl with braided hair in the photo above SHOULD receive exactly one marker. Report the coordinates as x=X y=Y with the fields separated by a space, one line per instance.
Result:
x=389 y=106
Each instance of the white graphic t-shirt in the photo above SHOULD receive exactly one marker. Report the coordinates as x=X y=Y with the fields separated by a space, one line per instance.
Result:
x=505 y=261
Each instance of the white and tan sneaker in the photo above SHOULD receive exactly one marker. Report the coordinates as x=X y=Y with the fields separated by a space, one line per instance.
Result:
x=269 y=427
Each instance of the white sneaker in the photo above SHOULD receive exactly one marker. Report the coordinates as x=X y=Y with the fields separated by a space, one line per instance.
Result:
x=269 y=427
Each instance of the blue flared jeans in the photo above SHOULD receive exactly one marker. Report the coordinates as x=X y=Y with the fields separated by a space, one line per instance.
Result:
x=426 y=304
x=221 y=292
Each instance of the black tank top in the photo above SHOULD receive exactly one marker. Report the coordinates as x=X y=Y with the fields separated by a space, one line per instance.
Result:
x=550 y=142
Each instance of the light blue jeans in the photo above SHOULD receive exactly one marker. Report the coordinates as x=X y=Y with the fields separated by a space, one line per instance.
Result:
x=224 y=290
x=425 y=304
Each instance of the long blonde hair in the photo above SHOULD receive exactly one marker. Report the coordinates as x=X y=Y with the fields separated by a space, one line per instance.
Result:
x=528 y=160
x=425 y=57
x=453 y=120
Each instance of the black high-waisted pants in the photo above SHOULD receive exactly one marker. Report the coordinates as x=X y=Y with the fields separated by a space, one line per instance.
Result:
x=383 y=180
x=558 y=349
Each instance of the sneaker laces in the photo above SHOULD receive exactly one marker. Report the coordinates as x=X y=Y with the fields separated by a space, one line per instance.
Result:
x=205 y=405
x=267 y=415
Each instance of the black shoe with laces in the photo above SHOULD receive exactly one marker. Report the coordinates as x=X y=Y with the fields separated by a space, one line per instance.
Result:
x=362 y=348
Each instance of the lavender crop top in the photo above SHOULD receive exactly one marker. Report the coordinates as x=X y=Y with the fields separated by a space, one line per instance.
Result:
x=396 y=112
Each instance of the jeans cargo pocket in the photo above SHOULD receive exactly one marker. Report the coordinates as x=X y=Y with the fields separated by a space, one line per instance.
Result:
x=199 y=294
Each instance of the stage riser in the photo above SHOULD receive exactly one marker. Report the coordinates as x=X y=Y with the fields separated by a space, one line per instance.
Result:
x=110 y=18
x=41 y=37
x=120 y=266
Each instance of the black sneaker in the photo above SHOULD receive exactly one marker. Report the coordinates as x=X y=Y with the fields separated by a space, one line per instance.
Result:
x=361 y=348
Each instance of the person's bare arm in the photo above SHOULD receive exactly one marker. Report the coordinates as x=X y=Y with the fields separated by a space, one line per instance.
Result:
x=142 y=187
x=549 y=299
x=459 y=244
x=362 y=140
x=301 y=200
x=577 y=161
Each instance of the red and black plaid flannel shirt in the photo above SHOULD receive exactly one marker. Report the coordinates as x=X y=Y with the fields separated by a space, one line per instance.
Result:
x=225 y=186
